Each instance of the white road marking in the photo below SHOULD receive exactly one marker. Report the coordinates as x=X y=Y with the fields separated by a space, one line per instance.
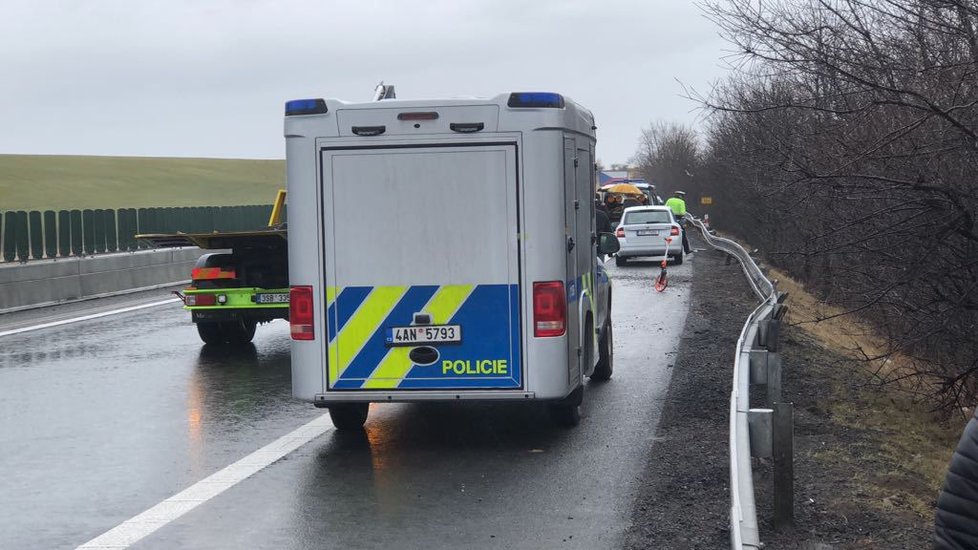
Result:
x=87 y=317
x=133 y=530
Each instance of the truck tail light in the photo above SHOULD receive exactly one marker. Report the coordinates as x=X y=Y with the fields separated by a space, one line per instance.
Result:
x=549 y=309
x=620 y=232
x=300 y=313
x=200 y=300
x=674 y=231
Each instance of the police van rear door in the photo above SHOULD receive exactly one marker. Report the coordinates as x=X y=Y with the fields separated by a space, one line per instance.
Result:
x=421 y=265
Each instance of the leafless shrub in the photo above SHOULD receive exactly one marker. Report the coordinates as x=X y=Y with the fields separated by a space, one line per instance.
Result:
x=846 y=144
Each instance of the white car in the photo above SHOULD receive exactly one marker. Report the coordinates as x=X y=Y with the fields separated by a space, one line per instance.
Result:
x=643 y=231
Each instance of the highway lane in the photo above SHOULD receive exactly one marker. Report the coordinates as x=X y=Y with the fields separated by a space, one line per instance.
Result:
x=106 y=418
x=103 y=418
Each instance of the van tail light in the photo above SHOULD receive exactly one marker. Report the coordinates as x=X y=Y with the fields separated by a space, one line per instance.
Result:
x=300 y=313
x=549 y=309
x=620 y=232
x=674 y=231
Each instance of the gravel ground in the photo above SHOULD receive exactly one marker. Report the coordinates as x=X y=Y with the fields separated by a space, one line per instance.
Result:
x=851 y=490
x=683 y=498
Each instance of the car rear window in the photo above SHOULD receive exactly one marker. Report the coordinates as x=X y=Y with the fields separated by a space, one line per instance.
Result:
x=647 y=216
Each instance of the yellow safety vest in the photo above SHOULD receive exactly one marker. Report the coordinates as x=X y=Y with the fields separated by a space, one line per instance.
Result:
x=677 y=205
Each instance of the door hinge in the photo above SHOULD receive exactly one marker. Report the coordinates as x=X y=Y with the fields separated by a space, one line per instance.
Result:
x=577 y=204
x=576 y=162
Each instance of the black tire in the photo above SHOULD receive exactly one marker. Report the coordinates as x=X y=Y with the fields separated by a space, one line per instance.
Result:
x=349 y=417
x=678 y=259
x=214 y=259
x=210 y=333
x=606 y=356
x=239 y=332
x=566 y=413
x=620 y=261
x=226 y=332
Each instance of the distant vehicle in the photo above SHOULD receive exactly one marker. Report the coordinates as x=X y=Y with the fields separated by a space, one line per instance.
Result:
x=246 y=284
x=649 y=190
x=642 y=232
x=471 y=272
x=645 y=187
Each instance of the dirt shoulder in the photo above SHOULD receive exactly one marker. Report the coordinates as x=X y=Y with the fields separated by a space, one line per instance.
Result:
x=868 y=461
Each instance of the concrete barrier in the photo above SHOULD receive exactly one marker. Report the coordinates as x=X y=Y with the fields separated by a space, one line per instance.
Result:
x=49 y=282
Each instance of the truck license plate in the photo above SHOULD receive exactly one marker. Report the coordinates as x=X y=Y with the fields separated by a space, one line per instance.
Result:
x=412 y=336
x=647 y=232
x=275 y=298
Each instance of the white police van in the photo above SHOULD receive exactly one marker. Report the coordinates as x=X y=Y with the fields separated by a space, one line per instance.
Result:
x=445 y=250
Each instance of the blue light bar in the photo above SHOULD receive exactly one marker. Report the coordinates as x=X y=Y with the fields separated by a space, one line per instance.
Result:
x=305 y=107
x=540 y=100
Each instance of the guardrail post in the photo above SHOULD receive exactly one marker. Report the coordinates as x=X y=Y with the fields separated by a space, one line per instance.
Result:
x=760 y=426
x=782 y=443
x=773 y=378
x=758 y=366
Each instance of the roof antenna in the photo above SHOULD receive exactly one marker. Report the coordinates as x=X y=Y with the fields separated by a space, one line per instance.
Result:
x=384 y=91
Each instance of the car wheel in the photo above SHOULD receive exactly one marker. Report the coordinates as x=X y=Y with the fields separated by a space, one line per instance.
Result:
x=678 y=259
x=620 y=261
x=606 y=356
x=348 y=417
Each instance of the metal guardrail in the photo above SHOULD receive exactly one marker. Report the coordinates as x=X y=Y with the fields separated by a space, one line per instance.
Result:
x=756 y=432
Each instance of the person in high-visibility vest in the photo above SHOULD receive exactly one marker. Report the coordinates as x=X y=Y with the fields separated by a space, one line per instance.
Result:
x=677 y=204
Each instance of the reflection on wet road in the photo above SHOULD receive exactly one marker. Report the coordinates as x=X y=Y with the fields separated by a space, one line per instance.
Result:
x=102 y=419
x=105 y=419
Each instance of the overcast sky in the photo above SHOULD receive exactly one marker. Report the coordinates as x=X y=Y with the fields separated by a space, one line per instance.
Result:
x=208 y=78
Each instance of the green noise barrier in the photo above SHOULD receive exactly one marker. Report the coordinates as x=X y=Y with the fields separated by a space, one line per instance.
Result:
x=9 y=236
x=23 y=236
x=88 y=231
x=64 y=233
x=49 y=234
x=36 y=234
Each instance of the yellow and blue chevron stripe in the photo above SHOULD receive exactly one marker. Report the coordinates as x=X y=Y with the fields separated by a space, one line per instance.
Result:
x=359 y=318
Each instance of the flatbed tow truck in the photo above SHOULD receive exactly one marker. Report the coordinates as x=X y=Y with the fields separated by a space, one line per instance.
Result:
x=243 y=285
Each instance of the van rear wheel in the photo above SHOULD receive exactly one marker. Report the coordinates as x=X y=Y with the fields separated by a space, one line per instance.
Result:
x=567 y=412
x=606 y=356
x=348 y=417
x=620 y=261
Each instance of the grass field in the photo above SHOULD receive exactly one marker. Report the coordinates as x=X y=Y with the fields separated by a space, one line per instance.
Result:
x=43 y=182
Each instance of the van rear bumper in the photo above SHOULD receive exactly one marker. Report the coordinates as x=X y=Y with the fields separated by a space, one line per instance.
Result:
x=324 y=399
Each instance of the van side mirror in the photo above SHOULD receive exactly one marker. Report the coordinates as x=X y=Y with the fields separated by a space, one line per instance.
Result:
x=608 y=244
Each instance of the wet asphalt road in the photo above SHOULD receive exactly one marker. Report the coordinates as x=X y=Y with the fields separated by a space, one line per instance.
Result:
x=102 y=419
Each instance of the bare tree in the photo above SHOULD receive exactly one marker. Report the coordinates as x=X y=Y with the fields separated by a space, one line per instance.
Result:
x=847 y=143
x=668 y=155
